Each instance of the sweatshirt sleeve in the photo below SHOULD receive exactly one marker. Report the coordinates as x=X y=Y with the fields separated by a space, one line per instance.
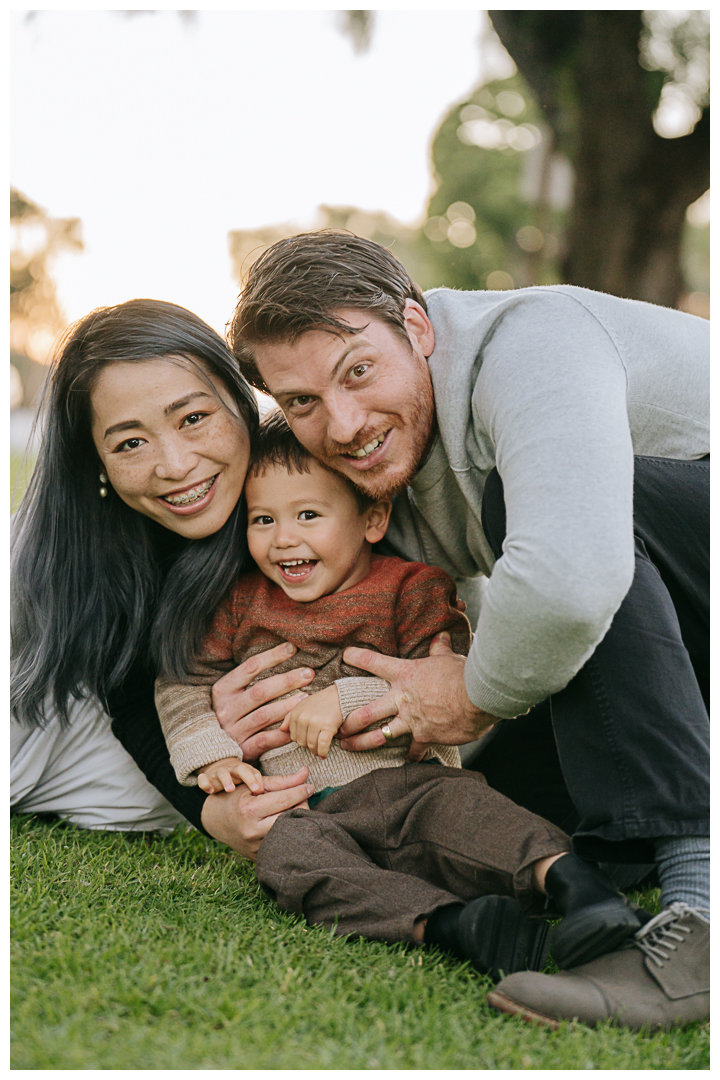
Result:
x=551 y=394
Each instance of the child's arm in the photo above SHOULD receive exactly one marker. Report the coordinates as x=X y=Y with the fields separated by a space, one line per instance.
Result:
x=223 y=775
x=191 y=729
x=315 y=720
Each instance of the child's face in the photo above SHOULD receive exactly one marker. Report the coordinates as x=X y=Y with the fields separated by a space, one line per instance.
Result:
x=306 y=533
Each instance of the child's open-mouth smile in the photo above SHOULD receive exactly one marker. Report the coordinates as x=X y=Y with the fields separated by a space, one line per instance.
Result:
x=296 y=571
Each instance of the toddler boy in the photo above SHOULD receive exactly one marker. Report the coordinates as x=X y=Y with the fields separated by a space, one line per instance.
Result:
x=390 y=850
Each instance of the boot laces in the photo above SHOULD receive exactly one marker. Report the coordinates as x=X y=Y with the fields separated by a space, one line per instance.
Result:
x=657 y=939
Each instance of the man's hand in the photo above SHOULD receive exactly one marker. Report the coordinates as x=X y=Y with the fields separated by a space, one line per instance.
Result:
x=315 y=720
x=245 y=711
x=427 y=698
x=241 y=820
x=227 y=773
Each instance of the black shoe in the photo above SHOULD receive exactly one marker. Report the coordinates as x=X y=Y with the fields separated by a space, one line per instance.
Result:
x=597 y=917
x=498 y=938
x=593 y=931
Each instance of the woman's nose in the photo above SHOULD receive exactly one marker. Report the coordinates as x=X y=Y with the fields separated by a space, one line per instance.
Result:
x=175 y=460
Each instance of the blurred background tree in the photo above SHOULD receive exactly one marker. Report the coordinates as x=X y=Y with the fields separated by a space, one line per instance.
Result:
x=626 y=97
x=36 y=316
x=589 y=165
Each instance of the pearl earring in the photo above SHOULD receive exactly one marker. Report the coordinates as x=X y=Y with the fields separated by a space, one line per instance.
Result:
x=103 y=481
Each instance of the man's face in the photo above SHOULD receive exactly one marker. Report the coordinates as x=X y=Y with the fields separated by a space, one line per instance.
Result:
x=361 y=403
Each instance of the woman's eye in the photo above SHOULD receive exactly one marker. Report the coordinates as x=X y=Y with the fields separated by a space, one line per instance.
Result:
x=307 y=515
x=128 y=444
x=193 y=418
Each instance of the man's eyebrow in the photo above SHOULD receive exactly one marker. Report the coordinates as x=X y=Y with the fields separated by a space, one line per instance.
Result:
x=127 y=425
x=354 y=344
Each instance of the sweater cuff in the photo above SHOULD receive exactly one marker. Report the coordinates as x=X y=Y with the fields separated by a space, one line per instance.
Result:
x=204 y=748
x=356 y=692
x=489 y=698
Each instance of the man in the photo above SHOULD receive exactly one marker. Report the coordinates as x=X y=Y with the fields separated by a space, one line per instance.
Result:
x=509 y=427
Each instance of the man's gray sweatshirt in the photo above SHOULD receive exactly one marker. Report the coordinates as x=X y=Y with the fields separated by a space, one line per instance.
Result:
x=558 y=387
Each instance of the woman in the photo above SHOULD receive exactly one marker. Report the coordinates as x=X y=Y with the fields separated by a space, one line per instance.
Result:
x=131 y=530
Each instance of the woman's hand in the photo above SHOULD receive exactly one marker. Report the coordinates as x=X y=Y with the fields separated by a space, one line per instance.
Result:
x=243 y=712
x=240 y=819
x=427 y=698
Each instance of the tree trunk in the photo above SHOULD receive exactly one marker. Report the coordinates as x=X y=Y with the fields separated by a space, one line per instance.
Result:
x=632 y=187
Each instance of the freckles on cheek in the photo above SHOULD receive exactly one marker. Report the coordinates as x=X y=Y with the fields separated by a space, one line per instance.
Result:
x=126 y=480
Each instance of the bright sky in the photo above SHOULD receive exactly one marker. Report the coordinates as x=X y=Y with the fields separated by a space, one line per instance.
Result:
x=163 y=134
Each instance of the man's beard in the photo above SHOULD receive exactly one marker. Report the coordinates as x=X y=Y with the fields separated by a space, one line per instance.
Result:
x=420 y=419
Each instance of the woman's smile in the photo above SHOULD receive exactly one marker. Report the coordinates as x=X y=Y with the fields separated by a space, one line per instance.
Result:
x=170 y=443
x=190 y=500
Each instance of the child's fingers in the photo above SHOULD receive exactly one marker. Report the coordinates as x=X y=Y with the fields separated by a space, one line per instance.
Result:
x=298 y=730
x=312 y=736
x=325 y=738
x=206 y=784
x=225 y=779
x=285 y=726
x=246 y=774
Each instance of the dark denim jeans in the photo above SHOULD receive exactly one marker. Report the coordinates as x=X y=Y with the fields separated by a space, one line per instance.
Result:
x=621 y=754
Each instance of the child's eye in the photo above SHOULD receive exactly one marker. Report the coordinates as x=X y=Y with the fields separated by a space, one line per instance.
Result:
x=307 y=515
x=262 y=519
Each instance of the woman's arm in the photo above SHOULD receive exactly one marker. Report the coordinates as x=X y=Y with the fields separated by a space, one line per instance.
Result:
x=135 y=723
x=238 y=819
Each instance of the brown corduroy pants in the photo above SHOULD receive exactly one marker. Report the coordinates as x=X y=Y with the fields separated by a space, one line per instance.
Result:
x=398 y=843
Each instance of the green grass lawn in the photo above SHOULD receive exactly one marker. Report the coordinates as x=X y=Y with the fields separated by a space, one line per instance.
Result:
x=144 y=953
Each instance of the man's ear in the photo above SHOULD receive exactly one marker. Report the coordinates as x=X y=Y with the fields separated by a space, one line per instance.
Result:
x=419 y=328
x=378 y=519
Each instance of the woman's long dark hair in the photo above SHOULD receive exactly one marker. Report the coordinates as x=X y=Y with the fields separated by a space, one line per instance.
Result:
x=88 y=573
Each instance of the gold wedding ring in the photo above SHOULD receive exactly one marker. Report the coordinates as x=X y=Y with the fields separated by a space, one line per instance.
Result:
x=387 y=732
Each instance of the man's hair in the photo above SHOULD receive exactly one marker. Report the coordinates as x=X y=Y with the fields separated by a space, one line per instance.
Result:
x=275 y=445
x=301 y=283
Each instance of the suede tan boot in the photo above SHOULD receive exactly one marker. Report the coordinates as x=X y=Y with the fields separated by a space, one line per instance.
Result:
x=660 y=980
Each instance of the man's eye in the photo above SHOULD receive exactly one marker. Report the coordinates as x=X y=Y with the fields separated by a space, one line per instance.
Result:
x=307 y=515
x=128 y=444
x=358 y=371
x=299 y=401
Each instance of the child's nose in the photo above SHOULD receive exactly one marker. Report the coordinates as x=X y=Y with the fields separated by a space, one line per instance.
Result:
x=285 y=537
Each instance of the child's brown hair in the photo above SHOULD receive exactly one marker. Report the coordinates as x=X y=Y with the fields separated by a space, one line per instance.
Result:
x=276 y=444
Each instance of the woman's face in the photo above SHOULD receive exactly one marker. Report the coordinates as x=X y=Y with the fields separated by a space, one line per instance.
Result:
x=171 y=447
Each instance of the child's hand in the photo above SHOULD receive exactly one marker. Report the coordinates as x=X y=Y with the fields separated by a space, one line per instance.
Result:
x=224 y=774
x=315 y=720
